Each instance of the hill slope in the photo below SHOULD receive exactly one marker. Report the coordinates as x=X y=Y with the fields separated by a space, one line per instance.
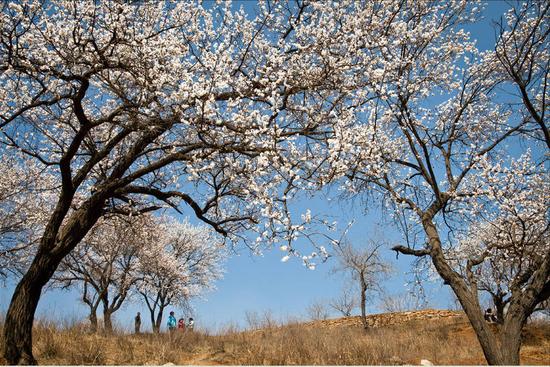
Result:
x=443 y=337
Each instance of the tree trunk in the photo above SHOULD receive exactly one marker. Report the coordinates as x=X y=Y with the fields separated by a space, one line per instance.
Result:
x=156 y=329
x=54 y=246
x=17 y=348
x=487 y=339
x=107 y=323
x=158 y=322
x=510 y=342
x=499 y=349
x=364 y=303
x=154 y=326
x=93 y=321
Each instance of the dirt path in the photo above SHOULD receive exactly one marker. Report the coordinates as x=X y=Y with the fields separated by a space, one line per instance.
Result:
x=203 y=359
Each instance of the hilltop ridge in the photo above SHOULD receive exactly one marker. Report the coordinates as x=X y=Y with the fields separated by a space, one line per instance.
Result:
x=389 y=318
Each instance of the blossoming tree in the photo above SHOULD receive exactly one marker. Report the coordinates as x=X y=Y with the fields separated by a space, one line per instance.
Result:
x=143 y=105
x=431 y=138
x=182 y=262
x=138 y=106
x=105 y=264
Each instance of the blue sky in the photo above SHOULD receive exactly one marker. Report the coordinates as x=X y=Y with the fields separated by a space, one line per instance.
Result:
x=265 y=284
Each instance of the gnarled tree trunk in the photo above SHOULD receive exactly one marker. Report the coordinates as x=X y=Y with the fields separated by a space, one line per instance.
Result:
x=502 y=345
x=17 y=347
x=54 y=246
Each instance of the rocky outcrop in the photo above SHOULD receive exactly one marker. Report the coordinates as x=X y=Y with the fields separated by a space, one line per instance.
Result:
x=392 y=318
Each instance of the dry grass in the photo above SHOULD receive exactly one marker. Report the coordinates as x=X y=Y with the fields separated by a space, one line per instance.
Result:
x=442 y=341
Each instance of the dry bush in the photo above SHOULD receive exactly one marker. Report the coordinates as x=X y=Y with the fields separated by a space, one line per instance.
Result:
x=88 y=352
x=298 y=345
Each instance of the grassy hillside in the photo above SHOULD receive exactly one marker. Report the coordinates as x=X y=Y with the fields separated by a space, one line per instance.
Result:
x=443 y=337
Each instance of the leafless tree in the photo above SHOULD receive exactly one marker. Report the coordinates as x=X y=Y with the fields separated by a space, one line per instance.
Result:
x=345 y=302
x=255 y=320
x=317 y=310
x=400 y=302
x=365 y=266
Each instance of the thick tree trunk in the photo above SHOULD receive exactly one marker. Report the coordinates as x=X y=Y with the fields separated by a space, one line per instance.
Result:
x=487 y=339
x=54 y=246
x=510 y=342
x=17 y=348
x=501 y=348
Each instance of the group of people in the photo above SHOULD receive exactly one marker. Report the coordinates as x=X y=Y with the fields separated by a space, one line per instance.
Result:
x=181 y=326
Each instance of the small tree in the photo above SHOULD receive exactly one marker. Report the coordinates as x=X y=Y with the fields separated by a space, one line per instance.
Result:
x=400 y=302
x=182 y=261
x=366 y=268
x=317 y=310
x=345 y=302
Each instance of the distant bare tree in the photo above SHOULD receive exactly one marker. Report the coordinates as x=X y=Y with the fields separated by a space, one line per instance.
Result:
x=266 y=320
x=345 y=302
x=365 y=266
x=400 y=302
x=317 y=310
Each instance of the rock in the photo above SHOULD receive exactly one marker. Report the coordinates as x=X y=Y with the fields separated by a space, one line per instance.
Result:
x=425 y=362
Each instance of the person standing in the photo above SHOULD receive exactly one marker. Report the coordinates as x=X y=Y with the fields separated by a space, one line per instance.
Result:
x=137 y=323
x=181 y=325
x=171 y=322
x=190 y=324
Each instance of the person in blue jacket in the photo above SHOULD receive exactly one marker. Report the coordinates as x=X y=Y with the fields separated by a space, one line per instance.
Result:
x=171 y=322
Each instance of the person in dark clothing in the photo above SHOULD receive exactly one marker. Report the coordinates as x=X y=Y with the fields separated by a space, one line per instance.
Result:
x=137 y=323
x=490 y=316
